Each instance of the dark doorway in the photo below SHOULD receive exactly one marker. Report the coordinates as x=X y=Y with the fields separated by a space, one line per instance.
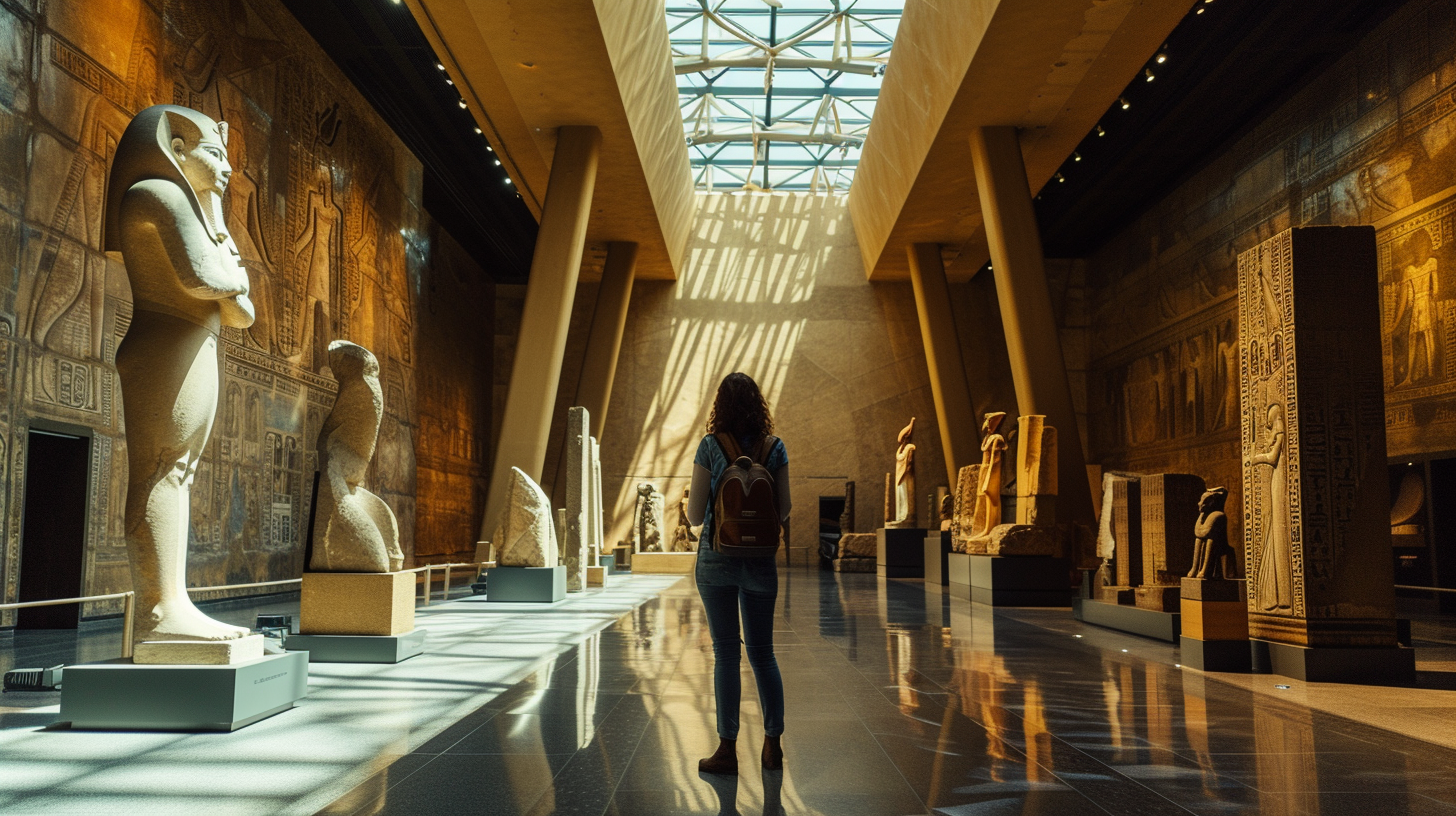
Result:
x=53 y=530
x=830 y=509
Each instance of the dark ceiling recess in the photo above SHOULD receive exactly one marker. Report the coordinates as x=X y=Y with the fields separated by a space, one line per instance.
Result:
x=1227 y=69
x=382 y=51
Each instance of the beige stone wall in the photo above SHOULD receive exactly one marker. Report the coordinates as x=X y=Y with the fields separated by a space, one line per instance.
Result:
x=773 y=286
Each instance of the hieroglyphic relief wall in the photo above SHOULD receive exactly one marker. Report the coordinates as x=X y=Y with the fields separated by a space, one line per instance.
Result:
x=322 y=202
x=1371 y=141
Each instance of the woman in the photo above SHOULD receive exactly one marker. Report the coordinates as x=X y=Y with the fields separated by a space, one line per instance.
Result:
x=729 y=584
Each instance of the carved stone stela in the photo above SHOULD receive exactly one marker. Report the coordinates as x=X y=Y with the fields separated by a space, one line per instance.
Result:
x=1316 y=493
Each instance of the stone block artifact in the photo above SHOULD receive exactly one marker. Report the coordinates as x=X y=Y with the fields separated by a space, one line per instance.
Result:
x=1316 y=492
x=164 y=214
x=1212 y=554
x=904 y=478
x=526 y=536
x=968 y=481
x=1036 y=471
x=353 y=529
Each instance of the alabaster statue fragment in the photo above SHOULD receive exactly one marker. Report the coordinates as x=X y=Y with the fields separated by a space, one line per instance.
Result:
x=683 y=539
x=647 y=522
x=164 y=215
x=1212 y=554
x=353 y=529
x=526 y=536
x=987 y=512
x=904 y=478
x=576 y=550
x=1036 y=471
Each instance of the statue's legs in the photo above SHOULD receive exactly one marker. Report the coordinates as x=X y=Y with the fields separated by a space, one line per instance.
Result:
x=169 y=383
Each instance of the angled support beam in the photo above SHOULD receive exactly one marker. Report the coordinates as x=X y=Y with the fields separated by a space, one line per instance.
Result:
x=545 y=317
x=953 y=404
x=1033 y=340
x=604 y=342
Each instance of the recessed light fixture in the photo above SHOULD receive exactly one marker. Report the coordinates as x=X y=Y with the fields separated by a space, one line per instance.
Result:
x=508 y=181
x=1148 y=72
x=497 y=162
x=1124 y=651
x=478 y=130
x=1100 y=131
x=462 y=103
x=1162 y=57
x=440 y=65
x=1076 y=156
x=488 y=147
x=450 y=82
x=1281 y=686
x=1121 y=100
x=1061 y=178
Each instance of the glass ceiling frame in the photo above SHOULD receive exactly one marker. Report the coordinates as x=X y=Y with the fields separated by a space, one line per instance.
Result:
x=778 y=94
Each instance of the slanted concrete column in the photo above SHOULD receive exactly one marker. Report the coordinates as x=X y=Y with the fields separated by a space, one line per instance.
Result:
x=604 y=341
x=545 y=316
x=1033 y=339
x=953 y=406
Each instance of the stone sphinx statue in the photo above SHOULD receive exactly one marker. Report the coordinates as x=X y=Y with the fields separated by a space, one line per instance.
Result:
x=904 y=478
x=164 y=215
x=647 y=521
x=1212 y=553
x=353 y=529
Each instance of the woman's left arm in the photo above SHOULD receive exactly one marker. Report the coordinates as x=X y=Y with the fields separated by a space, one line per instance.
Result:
x=781 y=485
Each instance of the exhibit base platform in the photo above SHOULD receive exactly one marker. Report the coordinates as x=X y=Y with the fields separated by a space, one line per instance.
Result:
x=1010 y=580
x=358 y=648
x=608 y=563
x=900 y=552
x=119 y=695
x=1215 y=655
x=1165 y=626
x=664 y=563
x=1394 y=665
x=596 y=576
x=526 y=585
x=937 y=550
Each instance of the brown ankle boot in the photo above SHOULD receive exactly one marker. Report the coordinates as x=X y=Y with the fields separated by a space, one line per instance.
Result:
x=723 y=761
x=773 y=754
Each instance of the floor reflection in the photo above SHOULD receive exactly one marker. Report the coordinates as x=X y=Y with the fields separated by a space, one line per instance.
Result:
x=905 y=701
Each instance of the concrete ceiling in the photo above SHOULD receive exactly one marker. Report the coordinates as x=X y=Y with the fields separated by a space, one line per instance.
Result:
x=527 y=67
x=1050 y=67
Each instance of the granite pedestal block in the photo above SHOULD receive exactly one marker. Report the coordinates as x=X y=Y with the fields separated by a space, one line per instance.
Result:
x=1215 y=655
x=1215 y=625
x=526 y=585
x=357 y=603
x=900 y=552
x=596 y=576
x=677 y=563
x=1010 y=580
x=608 y=562
x=937 y=550
x=1133 y=620
x=119 y=695
x=358 y=648
x=1394 y=665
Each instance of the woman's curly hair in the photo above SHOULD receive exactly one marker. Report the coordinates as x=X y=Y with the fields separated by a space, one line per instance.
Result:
x=740 y=409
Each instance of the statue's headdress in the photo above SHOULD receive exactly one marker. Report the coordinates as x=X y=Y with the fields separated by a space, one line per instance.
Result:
x=145 y=152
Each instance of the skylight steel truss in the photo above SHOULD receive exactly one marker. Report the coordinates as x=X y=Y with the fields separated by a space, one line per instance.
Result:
x=778 y=94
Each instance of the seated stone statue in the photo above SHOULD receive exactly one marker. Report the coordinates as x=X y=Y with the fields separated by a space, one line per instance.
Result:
x=1211 y=548
x=353 y=529
x=164 y=215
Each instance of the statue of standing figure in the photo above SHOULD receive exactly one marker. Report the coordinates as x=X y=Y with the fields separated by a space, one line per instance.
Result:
x=905 y=478
x=647 y=521
x=164 y=214
x=987 y=514
x=683 y=539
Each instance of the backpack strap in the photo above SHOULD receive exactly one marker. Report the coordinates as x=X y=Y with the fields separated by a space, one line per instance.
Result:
x=728 y=445
x=765 y=449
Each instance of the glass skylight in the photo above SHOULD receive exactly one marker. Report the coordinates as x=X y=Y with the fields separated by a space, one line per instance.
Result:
x=778 y=94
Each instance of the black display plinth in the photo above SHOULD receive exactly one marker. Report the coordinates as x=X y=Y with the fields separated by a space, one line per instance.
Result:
x=1146 y=622
x=900 y=552
x=1378 y=666
x=1010 y=580
x=937 y=551
x=1215 y=655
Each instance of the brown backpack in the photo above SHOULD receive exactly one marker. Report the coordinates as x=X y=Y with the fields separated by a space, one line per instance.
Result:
x=746 y=508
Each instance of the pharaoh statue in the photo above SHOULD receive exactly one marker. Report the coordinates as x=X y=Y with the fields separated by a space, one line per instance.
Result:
x=164 y=214
x=1211 y=550
x=353 y=529
x=683 y=539
x=988 y=489
x=905 y=478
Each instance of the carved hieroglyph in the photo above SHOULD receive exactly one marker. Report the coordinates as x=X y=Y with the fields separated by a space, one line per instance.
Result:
x=968 y=481
x=575 y=550
x=683 y=539
x=353 y=529
x=1127 y=531
x=1036 y=471
x=647 y=522
x=1316 y=492
x=164 y=215
x=987 y=513
x=1169 y=503
x=905 y=478
x=526 y=536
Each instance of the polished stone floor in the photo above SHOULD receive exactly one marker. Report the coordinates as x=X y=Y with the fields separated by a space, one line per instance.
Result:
x=903 y=701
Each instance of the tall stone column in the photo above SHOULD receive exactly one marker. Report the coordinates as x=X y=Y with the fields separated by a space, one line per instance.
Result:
x=545 y=317
x=604 y=341
x=954 y=409
x=1033 y=340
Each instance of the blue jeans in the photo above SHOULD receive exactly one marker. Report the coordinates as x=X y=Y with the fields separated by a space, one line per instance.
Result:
x=730 y=587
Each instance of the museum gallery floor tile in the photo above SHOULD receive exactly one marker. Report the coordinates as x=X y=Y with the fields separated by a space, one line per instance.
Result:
x=902 y=701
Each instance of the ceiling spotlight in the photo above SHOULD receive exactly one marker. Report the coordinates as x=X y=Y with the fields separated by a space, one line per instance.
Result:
x=478 y=130
x=449 y=82
x=1200 y=11
x=1061 y=178
x=462 y=104
x=497 y=162
x=488 y=147
x=508 y=181
x=1148 y=72
x=1161 y=58
x=1076 y=156
x=1100 y=131
x=1122 y=100
x=440 y=65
